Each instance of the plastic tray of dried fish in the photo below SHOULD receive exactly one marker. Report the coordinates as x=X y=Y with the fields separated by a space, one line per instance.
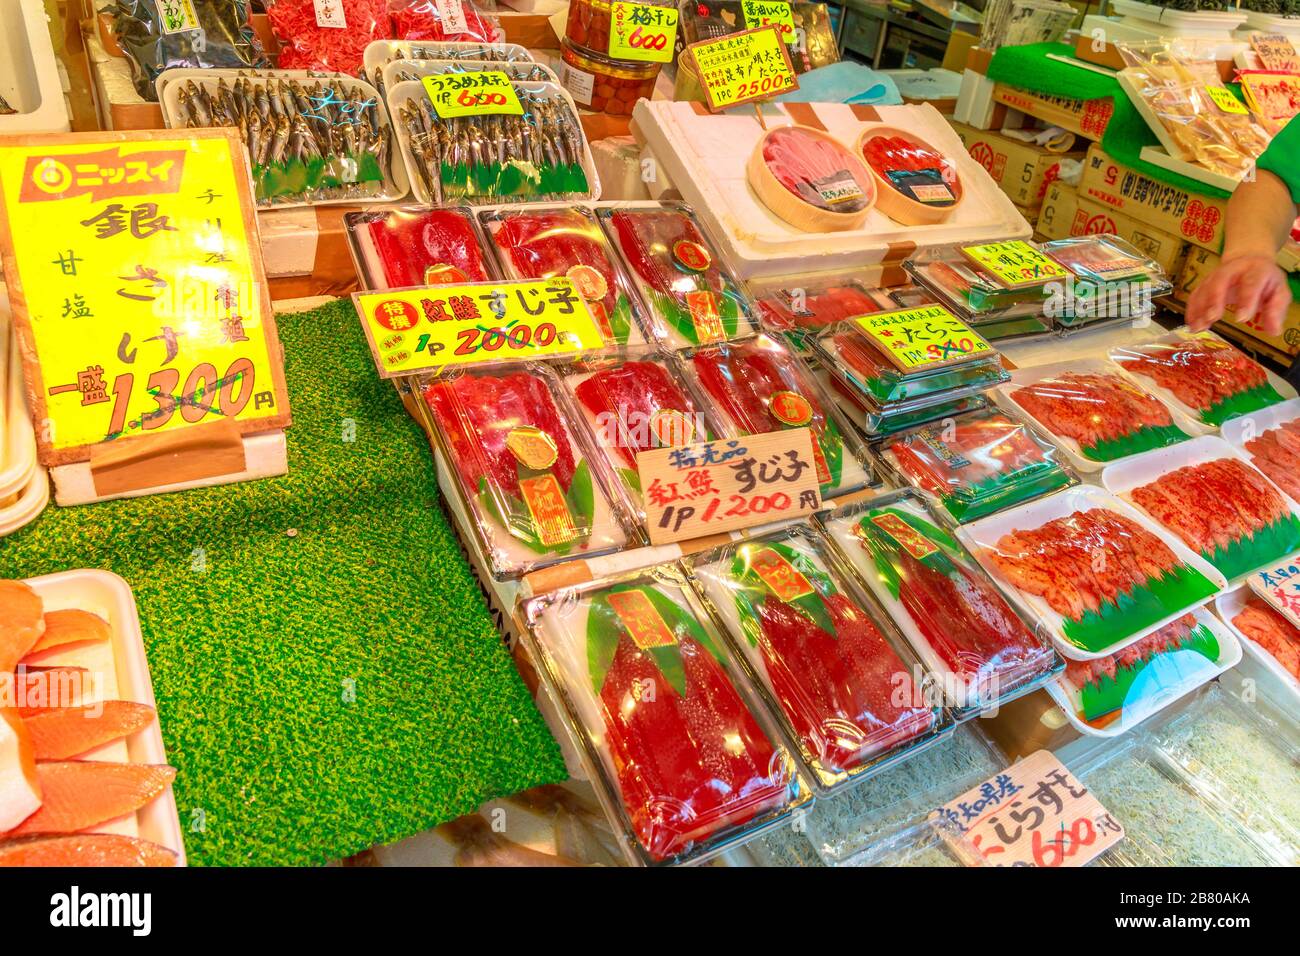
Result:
x=314 y=138
x=382 y=52
x=499 y=158
x=401 y=71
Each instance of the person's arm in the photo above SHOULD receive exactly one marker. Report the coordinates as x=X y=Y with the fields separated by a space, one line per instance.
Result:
x=1260 y=215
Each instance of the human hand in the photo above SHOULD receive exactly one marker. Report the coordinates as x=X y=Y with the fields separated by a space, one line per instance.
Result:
x=1252 y=284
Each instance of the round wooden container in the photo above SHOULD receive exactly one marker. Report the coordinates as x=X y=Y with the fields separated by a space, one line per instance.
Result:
x=791 y=207
x=893 y=203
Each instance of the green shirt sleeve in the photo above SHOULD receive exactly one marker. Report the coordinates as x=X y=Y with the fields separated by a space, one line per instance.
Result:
x=1282 y=158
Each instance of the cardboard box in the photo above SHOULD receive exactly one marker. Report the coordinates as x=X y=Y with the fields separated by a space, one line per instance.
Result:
x=1199 y=264
x=1022 y=170
x=1196 y=218
x=1083 y=117
x=1065 y=213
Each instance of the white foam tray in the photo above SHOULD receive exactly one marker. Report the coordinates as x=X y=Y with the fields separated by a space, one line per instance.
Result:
x=1228 y=606
x=123 y=675
x=705 y=157
x=29 y=71
x=1238 y=431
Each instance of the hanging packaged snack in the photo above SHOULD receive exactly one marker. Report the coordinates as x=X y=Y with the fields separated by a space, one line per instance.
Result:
x=635 y=401
x=1094 y=571
x=966 y=633
x=977 y=464
x=382 y=53
x=1202 y=375
x=758 y=385
x=691 y=296
x=539 y=242
x=918 y=185
x=648 y=695
x=799 y=307
x=1094 y=412
x=604 y=85
x=809 y=179
x=327 y=34
x=457 y=21
x=535 y=492
x=415 y=246
x=847 y=689
x=202 y=35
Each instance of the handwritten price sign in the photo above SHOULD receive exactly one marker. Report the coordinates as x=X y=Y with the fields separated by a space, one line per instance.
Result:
x=1280 y=587
x=483 y=93
x=923 y=337
x=415 y=330
x=762 y=13
x=743 y=67
x=1033 y=814
x=1015 y=263
x=641 y=31
x=722 y=485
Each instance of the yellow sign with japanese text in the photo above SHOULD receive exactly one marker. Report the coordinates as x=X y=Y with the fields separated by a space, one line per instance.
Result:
x=425 y=328
x=923 y=337
x=140 y=301
x=761 y=13
x=485 y=93
x=1015 y=263
x=1225 y=101
x=743 y=67
x=642 y=31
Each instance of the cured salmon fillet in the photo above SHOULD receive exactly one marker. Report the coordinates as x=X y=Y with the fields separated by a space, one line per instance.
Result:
x=63 y=732
x=41 y=688
x=21 y=622
x=20 y=788
x=66 y=627
x=1277 y=454
x=84 y=849
x=80 y=794
x=1271 y=631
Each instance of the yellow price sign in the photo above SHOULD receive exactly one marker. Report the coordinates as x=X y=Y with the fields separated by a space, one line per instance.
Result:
x=761 y=13
x=1015 y=263
x=642 y=31
x=485 y=93
x=1225 y=101
x=141 y=304
x=743 y=67
x=923 y=337
x=425 y=328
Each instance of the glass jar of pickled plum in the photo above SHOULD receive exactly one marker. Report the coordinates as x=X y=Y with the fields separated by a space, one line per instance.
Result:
x=588 y=24
x=602 y=85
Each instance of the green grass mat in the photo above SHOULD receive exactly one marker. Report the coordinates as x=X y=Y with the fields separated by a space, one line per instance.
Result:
x=252 y=658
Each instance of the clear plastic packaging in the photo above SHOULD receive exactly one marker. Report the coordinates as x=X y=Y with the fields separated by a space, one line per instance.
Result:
x=1091 y=569
x=977 y=464
x=415 y=245
x=220 y=37
x=404 y=71
x=534 y=489
x=319 y=35
x=539 y=156
x=382 y=53
x=799 y=307
x=849 y=692
x=876 y=421
x=810 y=179
x=651 y=698
x=970 y=290
x=691 y=295
x=423 y=20
x=539 y=242
x=965 y=631
x=1208 y=379
x=1272 y=632
x=1274 y=98
x=1112 y=280
x=758 y=385
x=1270 y=437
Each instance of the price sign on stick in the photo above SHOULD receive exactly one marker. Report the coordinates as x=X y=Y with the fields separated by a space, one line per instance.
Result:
x=743 y=67
x=1035 y=813
x=721 y=485
x=641 y=31
x=1279 y=586
x=137 y=287
x=414 y=330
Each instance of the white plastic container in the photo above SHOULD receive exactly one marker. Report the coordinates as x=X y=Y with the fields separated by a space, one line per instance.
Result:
x=1182 y=23
x=29 y=71
x=1237 y=432
x=1228 y=606
x=528 y=72
x=381 y=52
x=124 y=675
x=1271 y=23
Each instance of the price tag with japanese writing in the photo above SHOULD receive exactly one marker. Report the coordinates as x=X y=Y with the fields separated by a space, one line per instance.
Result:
x=1276 y=52
x=1225 y=101
x=721 y=485
x=927 y=336
x=1280 y=587
x=1015 y=263
x=415 y=330
x=642 y=31
x=141 y=305
x=762 y=13
x=177 y=16
x=483 y=93
x=1035 y=813
x=743 y=67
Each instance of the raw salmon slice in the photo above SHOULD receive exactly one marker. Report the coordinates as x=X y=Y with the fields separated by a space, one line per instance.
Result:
x=80 y=794
x=84 y=849
x=21 y=622
x=20 y=788
x=44 y=688
x=63 y=732
x=67 y=627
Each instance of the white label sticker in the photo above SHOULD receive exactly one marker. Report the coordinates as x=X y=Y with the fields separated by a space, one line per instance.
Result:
x=329 y=13
x=579 y=83
x=452 y=14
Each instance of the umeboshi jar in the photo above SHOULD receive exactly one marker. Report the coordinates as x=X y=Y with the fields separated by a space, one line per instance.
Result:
x=602 y=85
x=588 y=24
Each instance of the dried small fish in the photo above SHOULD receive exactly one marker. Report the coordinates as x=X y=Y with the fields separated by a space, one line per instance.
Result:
x=5 y=108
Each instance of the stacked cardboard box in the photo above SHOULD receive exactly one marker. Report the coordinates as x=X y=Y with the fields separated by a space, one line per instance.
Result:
x=1023 y=171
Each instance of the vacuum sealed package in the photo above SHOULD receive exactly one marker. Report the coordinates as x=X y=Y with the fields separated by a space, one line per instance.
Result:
x=415 y=245
x=535 y=491
x=978 y=463
x=200 y=34
x=849 y=691
x=979 y=647
x=327 y=34
x=453 y=20
x=757 y=386
x=650 y=697
x=546 y=241
x=690 y=294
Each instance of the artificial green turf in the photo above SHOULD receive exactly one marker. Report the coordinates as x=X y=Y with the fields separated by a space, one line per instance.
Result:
x=251 y=658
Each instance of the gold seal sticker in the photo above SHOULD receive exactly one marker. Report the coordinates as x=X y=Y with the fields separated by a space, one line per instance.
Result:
x=532 y=447
x=672 y=428
x=591 y=285
x=440 y=273
x=691 y=255
x=791 y=408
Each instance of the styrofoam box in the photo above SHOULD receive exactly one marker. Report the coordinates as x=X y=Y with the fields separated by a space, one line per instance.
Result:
x=705 y=157
x=29 y=72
